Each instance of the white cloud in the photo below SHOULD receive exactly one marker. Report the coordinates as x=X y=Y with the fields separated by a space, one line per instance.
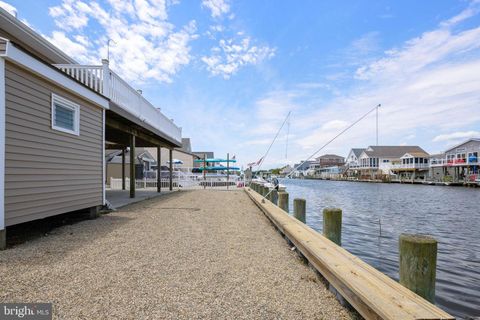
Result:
x=469 y=12
x=427 y=86
x=144 y=46
x=77 y=49
x=9 y=8
x=430 y=48
x=231 y=55
x=366 y=44
x=216 y=7
x=459 y=135
x=335 y=125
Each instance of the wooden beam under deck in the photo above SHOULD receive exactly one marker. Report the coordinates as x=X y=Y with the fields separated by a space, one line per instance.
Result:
x=122 y=131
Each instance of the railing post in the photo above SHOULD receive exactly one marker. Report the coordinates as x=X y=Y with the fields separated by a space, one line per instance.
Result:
x=332 y=224
x=418 y=264
x=299 y=208
x=275 y=197
x=106 y=78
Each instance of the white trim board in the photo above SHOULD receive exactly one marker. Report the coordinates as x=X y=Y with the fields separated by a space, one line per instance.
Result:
x=103 y=159
x=23 y=59
x=2 y=143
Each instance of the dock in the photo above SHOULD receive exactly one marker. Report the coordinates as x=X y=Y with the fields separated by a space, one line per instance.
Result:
x=373 y=294
x=185 y=255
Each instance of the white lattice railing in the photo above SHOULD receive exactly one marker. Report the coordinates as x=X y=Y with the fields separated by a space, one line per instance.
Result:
x=121 y=93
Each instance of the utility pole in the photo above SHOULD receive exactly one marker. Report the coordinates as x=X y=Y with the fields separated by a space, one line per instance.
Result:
x=379 y=105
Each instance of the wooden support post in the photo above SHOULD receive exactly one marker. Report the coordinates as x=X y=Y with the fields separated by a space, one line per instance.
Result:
x=283 y=201
x=94 y=212
x=3 y=239
x=132 y=166
x=299 y=208
x=123 y=168
x=170 y=186
x=275 y=197
x=418 y=264
x=159 y=169
x=332 y=224
x=204 y=171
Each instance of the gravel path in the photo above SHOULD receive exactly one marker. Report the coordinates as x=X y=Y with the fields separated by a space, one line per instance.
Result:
x=187 y=255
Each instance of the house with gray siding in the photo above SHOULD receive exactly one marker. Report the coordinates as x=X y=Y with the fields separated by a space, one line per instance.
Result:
x=56 y=120
x=459 y=163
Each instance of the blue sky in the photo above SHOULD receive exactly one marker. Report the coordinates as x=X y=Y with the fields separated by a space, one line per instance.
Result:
x=228 y=71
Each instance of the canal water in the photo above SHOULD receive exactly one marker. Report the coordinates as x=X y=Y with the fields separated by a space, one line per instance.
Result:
x=375 y=214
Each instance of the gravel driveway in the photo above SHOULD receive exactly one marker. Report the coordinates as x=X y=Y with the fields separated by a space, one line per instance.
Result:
x=186 y=255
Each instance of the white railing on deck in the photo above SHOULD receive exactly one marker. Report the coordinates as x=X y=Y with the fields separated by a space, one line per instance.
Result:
x=121 y=93
x=91 y=76
x=410 y=166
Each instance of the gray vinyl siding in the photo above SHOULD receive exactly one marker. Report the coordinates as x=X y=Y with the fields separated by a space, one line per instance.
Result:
x=3 y=46
x=47 y=172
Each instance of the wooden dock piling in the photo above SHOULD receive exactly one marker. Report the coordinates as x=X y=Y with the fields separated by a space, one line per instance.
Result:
x=373 y=294
x=332 y=224
x=275 y=197
x=283 y=201
x=299 y=208
x=418 y=264
x=264 y=191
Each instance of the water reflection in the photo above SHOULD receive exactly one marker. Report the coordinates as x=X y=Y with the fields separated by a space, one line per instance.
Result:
x=374 y=215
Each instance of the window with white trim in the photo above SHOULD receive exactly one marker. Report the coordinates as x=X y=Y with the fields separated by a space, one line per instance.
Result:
x=65 y=115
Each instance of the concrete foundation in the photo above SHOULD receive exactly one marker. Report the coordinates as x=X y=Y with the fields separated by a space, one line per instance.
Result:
x=3 y=239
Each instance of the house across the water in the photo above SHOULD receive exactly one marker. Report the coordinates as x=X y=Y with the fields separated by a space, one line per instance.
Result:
x=379 y=162
x=460 y=163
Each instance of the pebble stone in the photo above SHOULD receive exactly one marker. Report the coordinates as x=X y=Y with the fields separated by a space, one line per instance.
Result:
x=199 y=254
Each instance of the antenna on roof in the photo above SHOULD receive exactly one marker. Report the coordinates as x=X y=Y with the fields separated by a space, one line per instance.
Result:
x=108 y=48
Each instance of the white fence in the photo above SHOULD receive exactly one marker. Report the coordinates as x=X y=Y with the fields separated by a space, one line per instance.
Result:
x=183 y=182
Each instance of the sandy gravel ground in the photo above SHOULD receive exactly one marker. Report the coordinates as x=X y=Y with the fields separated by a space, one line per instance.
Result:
x=187 y=255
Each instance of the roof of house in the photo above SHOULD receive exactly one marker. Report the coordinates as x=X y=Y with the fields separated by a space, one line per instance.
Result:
x=418 y=154
x=464 y=142
x=357 y=151
x=207 y=154
x=391 y=151
x=330 y=156
x=25 y=36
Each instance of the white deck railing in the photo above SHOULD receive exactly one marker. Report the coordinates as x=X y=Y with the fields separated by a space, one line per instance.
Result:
x=410 y=166
x=122 y=94
x=452 y=162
